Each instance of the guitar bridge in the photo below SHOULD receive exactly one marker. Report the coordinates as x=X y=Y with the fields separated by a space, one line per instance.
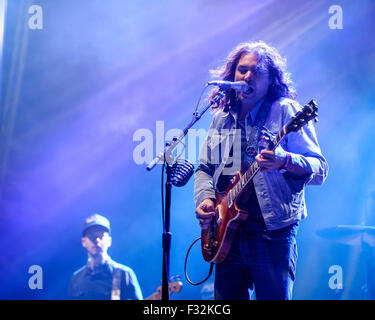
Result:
x=218 y=221
x=211 y=247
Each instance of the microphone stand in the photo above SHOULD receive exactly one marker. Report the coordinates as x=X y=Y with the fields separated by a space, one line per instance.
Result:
x=166 y=157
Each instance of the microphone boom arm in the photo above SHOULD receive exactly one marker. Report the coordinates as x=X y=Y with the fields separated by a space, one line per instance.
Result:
x=169 y=147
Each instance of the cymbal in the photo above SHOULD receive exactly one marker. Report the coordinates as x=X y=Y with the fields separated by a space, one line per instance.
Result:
x=350 y=234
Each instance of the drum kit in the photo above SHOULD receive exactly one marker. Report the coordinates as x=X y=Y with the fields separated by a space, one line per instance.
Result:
x=350 y=234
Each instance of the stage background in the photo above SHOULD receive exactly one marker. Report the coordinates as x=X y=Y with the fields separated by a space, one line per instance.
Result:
x=74 y=93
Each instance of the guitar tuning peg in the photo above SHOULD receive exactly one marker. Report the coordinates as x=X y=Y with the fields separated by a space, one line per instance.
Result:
x=316 y=120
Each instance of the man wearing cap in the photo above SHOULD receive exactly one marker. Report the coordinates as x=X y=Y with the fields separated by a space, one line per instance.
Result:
x=102 y=278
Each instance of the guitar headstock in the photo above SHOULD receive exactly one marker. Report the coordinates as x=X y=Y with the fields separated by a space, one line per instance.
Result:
x=309 y=112
x=175 y=286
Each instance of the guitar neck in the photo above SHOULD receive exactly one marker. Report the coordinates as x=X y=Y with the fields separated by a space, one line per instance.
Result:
x=254 y=168
x=154 y=296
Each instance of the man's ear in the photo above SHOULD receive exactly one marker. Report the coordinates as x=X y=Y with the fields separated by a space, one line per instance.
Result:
x=84 y=242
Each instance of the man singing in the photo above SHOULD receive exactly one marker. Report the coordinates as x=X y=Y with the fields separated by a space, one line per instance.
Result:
x=264 y=252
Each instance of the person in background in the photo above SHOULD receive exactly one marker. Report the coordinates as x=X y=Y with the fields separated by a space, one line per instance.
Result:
x=102 y=278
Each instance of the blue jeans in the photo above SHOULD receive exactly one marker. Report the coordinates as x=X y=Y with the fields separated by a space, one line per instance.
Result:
x=264 y=260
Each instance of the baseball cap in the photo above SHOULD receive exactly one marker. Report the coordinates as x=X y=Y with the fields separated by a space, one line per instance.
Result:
x=96 y=220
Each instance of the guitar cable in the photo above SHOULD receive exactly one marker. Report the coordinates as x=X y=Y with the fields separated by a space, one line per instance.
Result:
x=186 y=276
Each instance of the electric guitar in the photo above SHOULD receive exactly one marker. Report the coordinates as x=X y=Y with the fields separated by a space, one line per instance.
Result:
x=173 y=287
x=217 y=239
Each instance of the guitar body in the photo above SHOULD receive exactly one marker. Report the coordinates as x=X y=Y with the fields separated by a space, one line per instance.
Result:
x=217 y=239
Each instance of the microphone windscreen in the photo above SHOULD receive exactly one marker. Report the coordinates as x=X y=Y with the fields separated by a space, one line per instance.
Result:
x=181 y=172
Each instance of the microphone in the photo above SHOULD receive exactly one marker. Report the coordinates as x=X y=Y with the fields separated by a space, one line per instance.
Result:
x=241 y=86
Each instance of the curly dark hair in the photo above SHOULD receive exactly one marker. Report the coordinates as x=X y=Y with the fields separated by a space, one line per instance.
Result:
x=269 y=60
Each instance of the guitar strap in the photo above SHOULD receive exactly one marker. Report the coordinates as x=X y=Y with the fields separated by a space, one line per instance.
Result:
x=116 y=284
x=252 y=143
x=255 y=133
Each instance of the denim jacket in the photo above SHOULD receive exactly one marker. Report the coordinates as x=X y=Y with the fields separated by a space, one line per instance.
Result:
x=281 y=196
